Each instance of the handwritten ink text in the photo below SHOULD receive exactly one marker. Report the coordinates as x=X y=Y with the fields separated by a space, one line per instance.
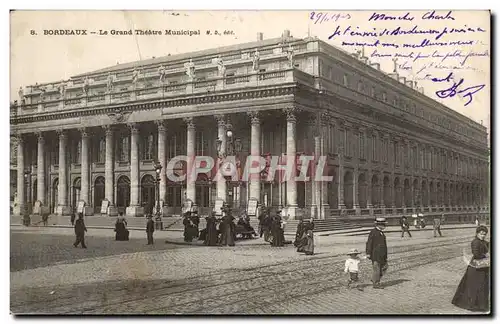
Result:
x=432 y=15
x=320 y=17
x=375 y=16
x=350 y=31
x=454 y=89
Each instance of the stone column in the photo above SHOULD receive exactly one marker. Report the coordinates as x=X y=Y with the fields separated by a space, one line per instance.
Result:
x=355 y=185
x=62 y=205
x=109 y=171
x=221 y=135
x=190 y=152
x=291 y=152
x=20 y=209
x=40 y=169
x=255 y=134
x=84 y=196
x=134 y=209
x=368 y=190
x=392 y=190
x=162 y=158
x=316 y=187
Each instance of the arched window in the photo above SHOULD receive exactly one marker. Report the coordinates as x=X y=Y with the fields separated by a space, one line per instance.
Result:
x=360 y=86
x=373 y=92
x=384 y=96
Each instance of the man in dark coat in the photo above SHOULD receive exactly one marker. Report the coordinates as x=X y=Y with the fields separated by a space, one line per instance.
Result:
x=228 y=228
x=80 y=230
x=195 y=220
x=376 y=250
x=150 y=228
x=277 y=231
x=405 y=226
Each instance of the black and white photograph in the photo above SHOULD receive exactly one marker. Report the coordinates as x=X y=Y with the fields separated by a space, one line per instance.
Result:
x=250 y=162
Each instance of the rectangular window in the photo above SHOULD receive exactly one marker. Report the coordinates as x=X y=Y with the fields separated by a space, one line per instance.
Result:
x=101 y=150
x=125 y=149
x=361 y=144
x=203 y=195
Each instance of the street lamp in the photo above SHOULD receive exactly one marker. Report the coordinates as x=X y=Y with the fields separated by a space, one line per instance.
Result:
x=159 y=223
x=233 y=145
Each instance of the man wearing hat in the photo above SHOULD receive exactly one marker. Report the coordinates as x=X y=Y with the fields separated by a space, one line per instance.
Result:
x=150 y=228
x=376 y=250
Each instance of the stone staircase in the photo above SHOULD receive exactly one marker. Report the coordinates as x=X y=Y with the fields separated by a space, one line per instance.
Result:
x=175 y=223
x=324 y=225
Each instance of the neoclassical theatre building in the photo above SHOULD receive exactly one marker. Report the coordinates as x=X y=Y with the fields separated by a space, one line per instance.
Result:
x=390 y=148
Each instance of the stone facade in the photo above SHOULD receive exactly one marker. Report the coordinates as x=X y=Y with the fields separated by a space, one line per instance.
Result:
x=390 y=148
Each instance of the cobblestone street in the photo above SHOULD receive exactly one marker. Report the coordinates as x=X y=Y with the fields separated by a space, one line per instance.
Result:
x=49 y=275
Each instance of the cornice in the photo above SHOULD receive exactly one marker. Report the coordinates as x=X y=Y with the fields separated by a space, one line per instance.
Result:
x=125 y=108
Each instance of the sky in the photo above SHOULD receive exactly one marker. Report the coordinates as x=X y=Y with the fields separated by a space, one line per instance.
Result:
x=45 y=58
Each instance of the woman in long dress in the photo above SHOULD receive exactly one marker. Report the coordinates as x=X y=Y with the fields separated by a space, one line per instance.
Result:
x=473 y=292
x=211 y=230
x=121 y=232
x=228 y=227
x=308 y=248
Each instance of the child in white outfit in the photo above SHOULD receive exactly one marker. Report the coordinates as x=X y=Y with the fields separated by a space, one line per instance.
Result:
x=352 y=268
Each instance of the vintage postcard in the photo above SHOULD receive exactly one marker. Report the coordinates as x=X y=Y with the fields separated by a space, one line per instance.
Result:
x=250 y=162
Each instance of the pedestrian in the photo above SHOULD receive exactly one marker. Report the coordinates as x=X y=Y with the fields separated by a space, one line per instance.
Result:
x=73 y=219
x=473 y=291
x=121 y=231
x=277 y=230
x=437 y=225
x=195 y=221
x=376 y=251
x=308 y=247
x=227 y=227
x=298 y=233
x=211 y=230
x=405 y=226
x=477 y=222
x=352 y=268
x=80 y=230
x=45 y=219
x=150 y=228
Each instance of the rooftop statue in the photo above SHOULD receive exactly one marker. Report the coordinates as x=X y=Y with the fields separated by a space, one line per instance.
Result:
x=190 y=69
x=255 y=60
x=162 y=73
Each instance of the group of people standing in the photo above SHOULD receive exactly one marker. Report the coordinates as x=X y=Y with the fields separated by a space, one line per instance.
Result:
x=218 y=231
x=272 y=227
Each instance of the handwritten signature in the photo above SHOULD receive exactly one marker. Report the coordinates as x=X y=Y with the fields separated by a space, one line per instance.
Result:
x=453 y=90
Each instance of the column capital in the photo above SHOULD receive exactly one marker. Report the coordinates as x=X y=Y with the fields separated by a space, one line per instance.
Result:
x=133 y=128
x=84 y=132
x=221 y=119
x=61 y=133
x=189 y=122
x=161 y=124
x=291 y=114
x=254 y=117
x=19 y=138
x=40 y=137
x=108 y=129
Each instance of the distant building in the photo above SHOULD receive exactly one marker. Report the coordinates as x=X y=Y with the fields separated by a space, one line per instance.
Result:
x=390 y=148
